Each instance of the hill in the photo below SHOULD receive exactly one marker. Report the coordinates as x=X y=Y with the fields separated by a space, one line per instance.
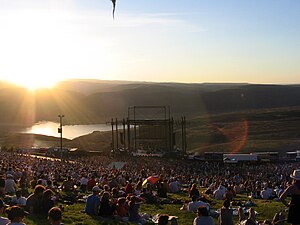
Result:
x=93 y=101
x=248 y=131
x=221 y=117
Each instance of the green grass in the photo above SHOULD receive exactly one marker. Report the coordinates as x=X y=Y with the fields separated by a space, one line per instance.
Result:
x=267 y=130
x=73 y=214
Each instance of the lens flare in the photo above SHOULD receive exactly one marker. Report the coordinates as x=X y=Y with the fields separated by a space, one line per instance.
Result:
x=236 y=134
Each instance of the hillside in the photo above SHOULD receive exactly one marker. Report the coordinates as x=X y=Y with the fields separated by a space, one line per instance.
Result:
x=221 y=117
x=93 y=101
x=249 y=131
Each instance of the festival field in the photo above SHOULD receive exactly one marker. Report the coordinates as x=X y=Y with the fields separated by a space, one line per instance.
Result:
x=73 y=213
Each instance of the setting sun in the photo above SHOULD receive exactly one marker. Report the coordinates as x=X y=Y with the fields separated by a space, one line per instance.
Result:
x=32 y=82
x=40 y=47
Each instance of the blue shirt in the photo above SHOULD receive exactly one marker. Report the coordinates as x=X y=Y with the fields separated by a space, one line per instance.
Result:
x=92 y=203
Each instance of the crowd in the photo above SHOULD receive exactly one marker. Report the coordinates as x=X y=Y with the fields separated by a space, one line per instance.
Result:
x=36 y=186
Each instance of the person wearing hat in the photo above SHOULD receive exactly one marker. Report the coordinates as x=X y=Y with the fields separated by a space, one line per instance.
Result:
x=3 y=220
x=93 y=202
x=294 y=205
x=16 y=215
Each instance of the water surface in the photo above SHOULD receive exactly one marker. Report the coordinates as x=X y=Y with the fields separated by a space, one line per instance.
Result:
x=69 y=131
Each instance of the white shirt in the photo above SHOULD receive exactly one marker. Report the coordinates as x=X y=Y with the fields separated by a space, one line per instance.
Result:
x=219 y=193
x=192 y=206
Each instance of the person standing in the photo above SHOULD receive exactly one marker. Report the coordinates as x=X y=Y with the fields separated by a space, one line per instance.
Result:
x=294 y=205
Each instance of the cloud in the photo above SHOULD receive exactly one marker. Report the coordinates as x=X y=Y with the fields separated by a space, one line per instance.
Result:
x=165 y=20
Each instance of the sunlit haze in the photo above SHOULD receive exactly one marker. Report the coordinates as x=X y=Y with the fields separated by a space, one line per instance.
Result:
x=43 y=42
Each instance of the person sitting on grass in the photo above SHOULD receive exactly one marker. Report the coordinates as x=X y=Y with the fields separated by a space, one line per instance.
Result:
x=55 y=216
x=34 y=201
x=195 y=203
x=247 y=221
x=10 y=185
x=91 y=183
x=93 y=202
x=133 y=210
x=2 y=187
x=229 y=194
x=203 y=217
x=161 y=191
x=174 y=185
x=16 y=215
x=148 y=195
x=163 y=219
x=3 y=220
x=47 y=201
x=68 y=185
x=121 y=211
x=226 y=215
x=107 y=207
x=219 y=192
x=194 y=191
x=18 y=199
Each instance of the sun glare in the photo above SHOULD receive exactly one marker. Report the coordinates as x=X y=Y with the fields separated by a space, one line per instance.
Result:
x=42 y=47
x=34 y=83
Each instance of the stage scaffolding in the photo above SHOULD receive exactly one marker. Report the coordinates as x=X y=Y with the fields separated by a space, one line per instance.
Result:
x=150 y=129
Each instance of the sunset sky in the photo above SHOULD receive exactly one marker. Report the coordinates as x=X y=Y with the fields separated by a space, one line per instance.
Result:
x=44 y=41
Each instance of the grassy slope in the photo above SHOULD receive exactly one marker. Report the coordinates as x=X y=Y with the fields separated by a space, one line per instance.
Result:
x=74 y=216
x=265 y=130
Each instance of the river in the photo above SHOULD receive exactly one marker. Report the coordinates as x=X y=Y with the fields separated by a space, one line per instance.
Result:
x=69 y=131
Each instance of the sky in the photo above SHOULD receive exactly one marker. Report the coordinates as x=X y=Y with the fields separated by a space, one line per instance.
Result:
x=190 y=41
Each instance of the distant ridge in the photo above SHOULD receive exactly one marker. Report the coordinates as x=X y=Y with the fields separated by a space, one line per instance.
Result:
x=89 y=101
